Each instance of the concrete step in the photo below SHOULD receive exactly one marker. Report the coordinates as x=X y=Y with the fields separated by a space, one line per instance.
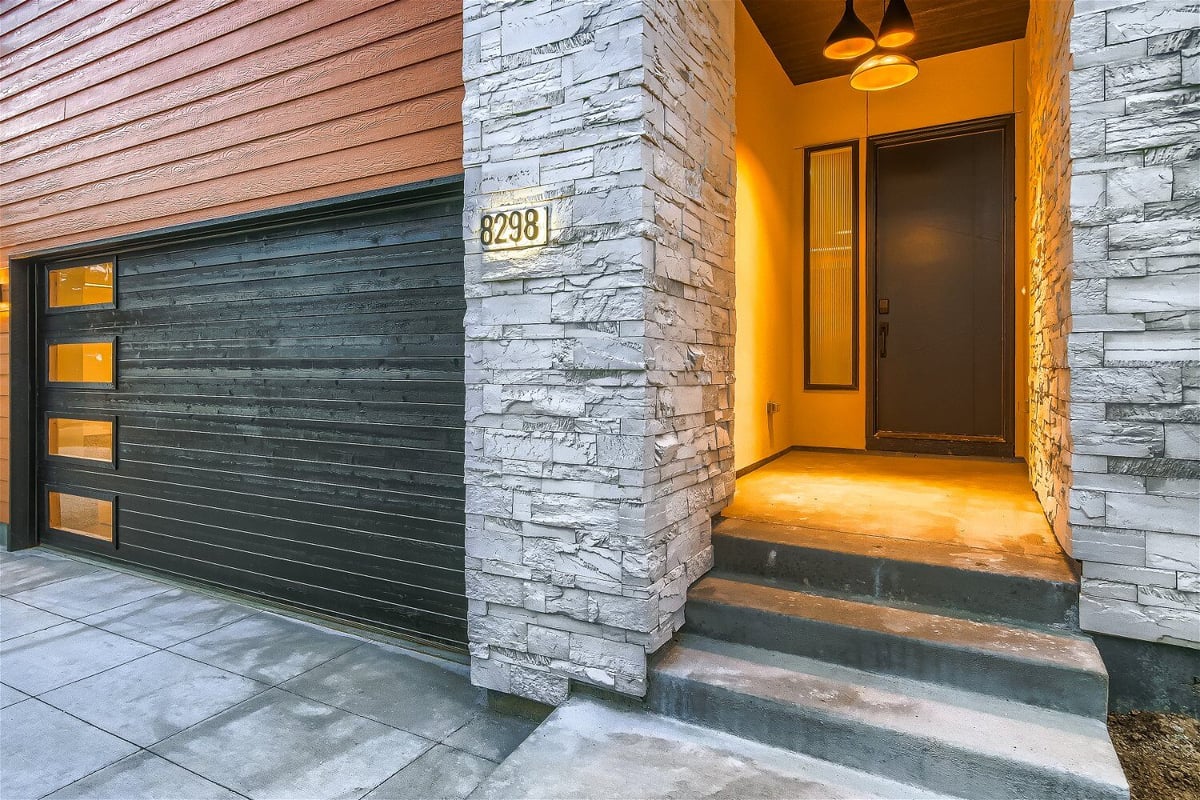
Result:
x=591 y=749
x=945 y=740
x=1006 y=585
x=1040 y=667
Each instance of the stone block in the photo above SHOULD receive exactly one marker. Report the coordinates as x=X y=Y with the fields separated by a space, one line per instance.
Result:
x=1111 y=590
x=1168 y=598
x=1150 y=18
x=1177 y=551
x=1183 y=441
x=1136 y=621
x=1136 y=576
x=1149 y=384
x=1154 y=513
x=1108 y=545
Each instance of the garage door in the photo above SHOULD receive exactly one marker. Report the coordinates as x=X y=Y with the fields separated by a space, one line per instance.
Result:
x=276 y=410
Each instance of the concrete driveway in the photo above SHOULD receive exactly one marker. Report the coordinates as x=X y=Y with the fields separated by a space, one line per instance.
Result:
x=118 y=686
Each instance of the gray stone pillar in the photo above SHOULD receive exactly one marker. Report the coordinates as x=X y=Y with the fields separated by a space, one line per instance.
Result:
x=1135 y=327
x=599 y=366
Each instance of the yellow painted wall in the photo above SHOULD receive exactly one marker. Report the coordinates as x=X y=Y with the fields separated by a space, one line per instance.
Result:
x=764 y=272
x=984 y=82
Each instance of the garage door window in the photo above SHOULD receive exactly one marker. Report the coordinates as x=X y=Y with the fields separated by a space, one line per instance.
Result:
x=86 y=439
x=83 y=364
x=85 y=286
x=85 y=516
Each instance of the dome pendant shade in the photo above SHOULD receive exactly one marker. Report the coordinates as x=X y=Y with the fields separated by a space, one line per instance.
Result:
x=883 y=71
x=850 y=38
x=897 y=29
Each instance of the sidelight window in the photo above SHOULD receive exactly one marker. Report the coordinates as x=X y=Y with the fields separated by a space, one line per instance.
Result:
x=831 y=267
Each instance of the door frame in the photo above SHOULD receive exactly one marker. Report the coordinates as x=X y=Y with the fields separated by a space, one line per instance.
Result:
x=996 y=446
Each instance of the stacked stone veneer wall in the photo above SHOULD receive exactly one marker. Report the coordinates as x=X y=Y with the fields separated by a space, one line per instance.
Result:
x=1135 y=316
x=598 y=367
x=1049 y=456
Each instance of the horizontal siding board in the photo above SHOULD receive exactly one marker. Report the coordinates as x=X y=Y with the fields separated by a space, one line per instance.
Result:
x=32 y=177
x=223 y=33
x=37 y=19
x=316 y=463
x=391 y=122
x=369 y=182
x=126 y=127
x=275 y=42
x=81 y=43
x=325 y=169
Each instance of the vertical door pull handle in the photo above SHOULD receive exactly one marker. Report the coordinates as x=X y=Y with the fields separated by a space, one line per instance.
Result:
x=883 y=333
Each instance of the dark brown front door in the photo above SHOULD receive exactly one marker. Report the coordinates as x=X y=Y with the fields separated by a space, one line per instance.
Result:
x=941 y=279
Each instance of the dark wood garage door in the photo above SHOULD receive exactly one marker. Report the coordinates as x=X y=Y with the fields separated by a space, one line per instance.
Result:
x=283 y=415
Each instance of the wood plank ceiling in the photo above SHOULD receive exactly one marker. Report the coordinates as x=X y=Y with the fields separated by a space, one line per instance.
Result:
x=796 y=29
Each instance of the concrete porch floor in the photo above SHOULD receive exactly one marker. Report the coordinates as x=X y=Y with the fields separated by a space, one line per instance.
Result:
x=116 y=686
x=977 y=504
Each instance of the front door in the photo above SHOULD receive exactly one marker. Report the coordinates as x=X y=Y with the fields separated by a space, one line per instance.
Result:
x=941 y=278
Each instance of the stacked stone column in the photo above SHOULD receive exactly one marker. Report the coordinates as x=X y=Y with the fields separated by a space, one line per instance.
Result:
x=599 y=366
x=1134 y=349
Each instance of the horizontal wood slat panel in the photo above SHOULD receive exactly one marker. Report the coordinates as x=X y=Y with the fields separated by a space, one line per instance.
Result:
x=318 y=464
x=34 y=20
x=391 y=122
x=411 y=151
x=87 y=134
x=130 y=20
x=297 y=115
x=187 y=111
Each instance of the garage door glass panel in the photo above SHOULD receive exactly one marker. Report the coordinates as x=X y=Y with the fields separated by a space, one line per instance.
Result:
x=82 y=362
x=89 y=285
x=86 y=516
x=89 y=439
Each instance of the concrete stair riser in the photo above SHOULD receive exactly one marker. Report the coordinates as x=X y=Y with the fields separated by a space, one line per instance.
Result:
x=1005 y=675
x=1012 y=597
x=926 y=762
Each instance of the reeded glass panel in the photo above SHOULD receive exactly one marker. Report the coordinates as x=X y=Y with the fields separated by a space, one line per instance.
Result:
x=88 y=285
x=80 y=438
x=87 y=516
x=831 y=228
x=81 y=362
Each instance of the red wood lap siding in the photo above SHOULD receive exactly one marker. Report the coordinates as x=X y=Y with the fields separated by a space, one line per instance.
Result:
x=119 y=116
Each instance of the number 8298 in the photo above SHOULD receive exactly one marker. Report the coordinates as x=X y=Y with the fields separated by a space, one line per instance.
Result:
x=517 y=228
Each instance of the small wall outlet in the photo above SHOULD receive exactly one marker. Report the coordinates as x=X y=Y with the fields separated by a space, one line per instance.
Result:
x=773 y=407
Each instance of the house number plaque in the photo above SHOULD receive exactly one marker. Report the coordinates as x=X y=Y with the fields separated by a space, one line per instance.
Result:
x=514 y=228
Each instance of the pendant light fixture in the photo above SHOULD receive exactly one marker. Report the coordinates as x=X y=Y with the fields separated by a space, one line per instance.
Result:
x=850 y=38
x=883 y=71
x=897 y=28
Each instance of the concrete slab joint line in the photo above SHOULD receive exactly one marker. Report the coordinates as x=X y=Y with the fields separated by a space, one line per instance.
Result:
x=1128 y=372
x=599 y=367
x=158 y=691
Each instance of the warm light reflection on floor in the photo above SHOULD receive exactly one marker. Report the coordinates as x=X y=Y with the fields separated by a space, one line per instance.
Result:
x=974 y=503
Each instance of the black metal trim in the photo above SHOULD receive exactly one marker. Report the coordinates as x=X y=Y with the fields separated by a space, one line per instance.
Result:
x=1005 y=447
x=282 y=216
x=23 y=397
x=854 y=256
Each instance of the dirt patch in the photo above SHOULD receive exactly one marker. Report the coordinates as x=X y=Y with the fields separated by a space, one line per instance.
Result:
x=1160 y=754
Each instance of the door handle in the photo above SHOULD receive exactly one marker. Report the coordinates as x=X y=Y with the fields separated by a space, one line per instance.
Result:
x=883 y=334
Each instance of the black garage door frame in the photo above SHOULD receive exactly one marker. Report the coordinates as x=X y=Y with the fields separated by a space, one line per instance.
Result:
x=26 y=506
